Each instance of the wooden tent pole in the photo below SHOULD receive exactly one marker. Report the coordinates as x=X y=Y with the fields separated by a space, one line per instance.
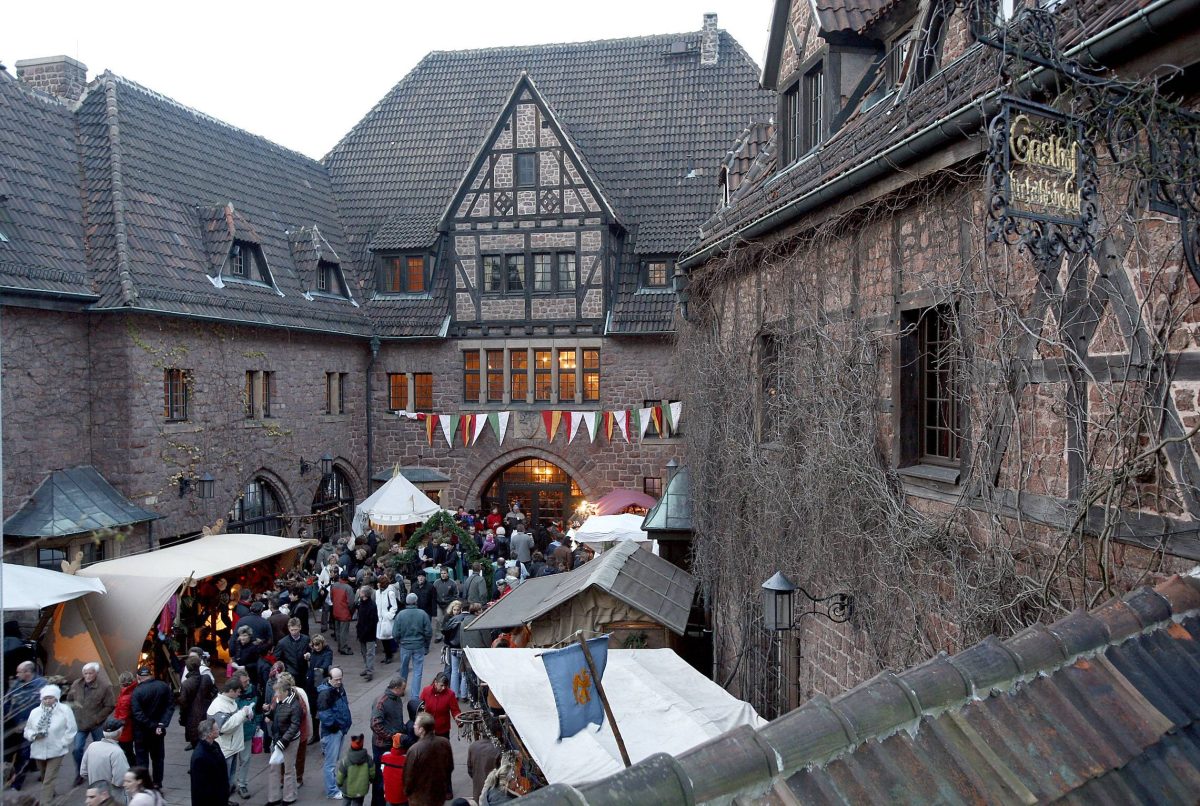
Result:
x=587 y=654
x=85 y=615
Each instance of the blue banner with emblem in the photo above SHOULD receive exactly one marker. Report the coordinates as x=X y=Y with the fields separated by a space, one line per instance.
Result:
x=575 y=694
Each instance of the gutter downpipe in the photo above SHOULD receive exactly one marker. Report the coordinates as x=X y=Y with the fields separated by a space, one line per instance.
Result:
x=1155 y=17
x=374 y=345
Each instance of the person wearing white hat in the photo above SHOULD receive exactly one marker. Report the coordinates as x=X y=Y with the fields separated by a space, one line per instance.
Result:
x=50 y=730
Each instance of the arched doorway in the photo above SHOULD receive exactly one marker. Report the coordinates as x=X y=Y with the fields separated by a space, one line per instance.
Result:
x=546 y=492
x=257 y=511
x=333 y=504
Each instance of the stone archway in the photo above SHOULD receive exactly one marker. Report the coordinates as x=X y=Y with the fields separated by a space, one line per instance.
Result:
x=547 y=487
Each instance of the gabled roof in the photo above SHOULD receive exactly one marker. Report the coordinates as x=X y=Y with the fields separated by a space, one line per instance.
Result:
x=170 y=189
x=1100 y=707
x=673 y=512
x=71 y=502
x=641 y=117
x=41 y=214
x=637 y=577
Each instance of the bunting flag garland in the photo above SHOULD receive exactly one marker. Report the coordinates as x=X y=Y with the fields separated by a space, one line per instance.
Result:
x=656 y=414
x=675 y=411
x=481 y=422
x=449 y=426
x=645 y=417
x=551 y=420
x=573 y=424
x=631 y=424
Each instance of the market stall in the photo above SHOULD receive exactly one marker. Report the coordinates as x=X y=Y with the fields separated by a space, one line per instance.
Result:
x=638 y=597
x=661 y=704
x=602 y=532
x=29 y=588
x=141 y=586
x=625 y=501
x=397 y=503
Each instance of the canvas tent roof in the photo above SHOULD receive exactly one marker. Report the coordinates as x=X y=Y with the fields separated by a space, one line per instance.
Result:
x=29 y=588
x=73 y=501
x=660 y=703
x=611 y=528
x=394 y=504
x=638 y=578
x=138 y=587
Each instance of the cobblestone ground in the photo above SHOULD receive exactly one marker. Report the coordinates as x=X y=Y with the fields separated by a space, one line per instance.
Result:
x=176 y=786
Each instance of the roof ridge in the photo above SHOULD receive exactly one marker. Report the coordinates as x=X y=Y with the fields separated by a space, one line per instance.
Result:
x=204 y=116
x=611 y=40
x=129 y=292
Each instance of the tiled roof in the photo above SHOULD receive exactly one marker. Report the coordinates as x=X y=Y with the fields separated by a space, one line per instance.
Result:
x=169 y=189
x=41 y=215
x=849 y=15
x=1100 y=707
x=73 y=501
x=641 y=117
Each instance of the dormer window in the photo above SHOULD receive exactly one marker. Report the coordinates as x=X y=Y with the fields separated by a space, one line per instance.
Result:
x=897 y=52
x=246 y=262
x=802 y=114
x=404 y=274
x=656 y=274
x=814 y=91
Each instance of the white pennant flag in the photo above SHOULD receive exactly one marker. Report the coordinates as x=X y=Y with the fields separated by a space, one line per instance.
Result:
x=676 y=414
x=480 y=424
x=447 y=423
x=621 y=421
x=589 y=419
x=644 y=419
x=502 y=418
x=573 y=425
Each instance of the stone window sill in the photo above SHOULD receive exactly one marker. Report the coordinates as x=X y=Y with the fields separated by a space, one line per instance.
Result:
x=926 y=474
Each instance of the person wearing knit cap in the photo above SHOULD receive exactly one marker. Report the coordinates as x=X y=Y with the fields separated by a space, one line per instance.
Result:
x=355 y=772
x=50 y=729
x=104 y=761
x=392 y=765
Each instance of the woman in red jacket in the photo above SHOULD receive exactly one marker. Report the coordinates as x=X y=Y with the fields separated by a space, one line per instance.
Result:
x=124 y=712
x=440 y=703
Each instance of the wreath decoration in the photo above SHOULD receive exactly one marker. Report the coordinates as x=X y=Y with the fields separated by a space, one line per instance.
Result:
x=440 y=527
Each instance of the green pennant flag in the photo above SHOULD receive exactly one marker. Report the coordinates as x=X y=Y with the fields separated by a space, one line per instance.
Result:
x=635 y=423
x=493 y=419
x=667 y=420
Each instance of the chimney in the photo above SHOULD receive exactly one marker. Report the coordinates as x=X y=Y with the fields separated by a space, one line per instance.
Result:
x=710 y=40
x=60 y=76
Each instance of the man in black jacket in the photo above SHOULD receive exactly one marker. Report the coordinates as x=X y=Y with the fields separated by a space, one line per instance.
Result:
x=151 y=705
x=368 y=624
x=210 y=776
x=294 y=650
x=257 y=624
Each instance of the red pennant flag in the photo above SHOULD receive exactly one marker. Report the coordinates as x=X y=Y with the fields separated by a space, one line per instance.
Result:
x=466 y=424
x=430 y=424
x=608 y=425
x=551 y=420
x=656 y=416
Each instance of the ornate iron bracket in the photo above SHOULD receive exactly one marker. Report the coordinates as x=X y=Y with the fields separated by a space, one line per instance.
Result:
x=837 y=607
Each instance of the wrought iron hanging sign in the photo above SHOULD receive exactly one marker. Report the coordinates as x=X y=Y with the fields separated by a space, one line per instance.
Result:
x=1041 y=179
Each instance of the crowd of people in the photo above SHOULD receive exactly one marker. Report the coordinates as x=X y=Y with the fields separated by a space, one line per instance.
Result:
x=282 y=690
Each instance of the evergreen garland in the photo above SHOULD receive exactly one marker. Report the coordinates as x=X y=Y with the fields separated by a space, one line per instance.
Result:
x=440 y=527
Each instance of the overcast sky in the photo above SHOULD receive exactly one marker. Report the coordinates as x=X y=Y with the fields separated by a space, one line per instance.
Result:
x=303 y=73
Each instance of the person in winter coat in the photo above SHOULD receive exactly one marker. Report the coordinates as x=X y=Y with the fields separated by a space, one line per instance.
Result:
x=294 y=650
x=426 y=596
x=392 y=767
x=429 y=765
x=152 y=705
x=103 y=761
x=230 y=717
x=389 y=718
x=476 y=586
x=287 y=720
x=248 y=698
x=387 y=605
x=93 y=701
x=441 y=703
x=445 y=592
x=50 y=730
x=210 y=778
x=355 y=772
x=140 y=789
x=196 y=693
x=341 y=596
x=414 y=632
x=126 y=682
x=452 y=635
x=333 y=709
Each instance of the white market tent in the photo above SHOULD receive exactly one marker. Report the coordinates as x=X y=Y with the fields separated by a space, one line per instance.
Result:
x=660 y=703
x=28 y=588
x=396 y=503
x=604 y=531
x=138 y=588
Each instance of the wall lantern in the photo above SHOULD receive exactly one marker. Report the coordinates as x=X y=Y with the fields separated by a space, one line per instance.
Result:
x=326 y=466
x=779 y=594
x=207 y=485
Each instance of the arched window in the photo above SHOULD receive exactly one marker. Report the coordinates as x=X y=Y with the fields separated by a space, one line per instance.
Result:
x=257 y=511
x=333 y=505
x=546 y=492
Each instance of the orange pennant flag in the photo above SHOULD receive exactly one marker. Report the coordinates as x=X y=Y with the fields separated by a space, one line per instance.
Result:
x=608 y=425
x=466 y=424
x=430 y=424
x=551 y=420
x=656 y=416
